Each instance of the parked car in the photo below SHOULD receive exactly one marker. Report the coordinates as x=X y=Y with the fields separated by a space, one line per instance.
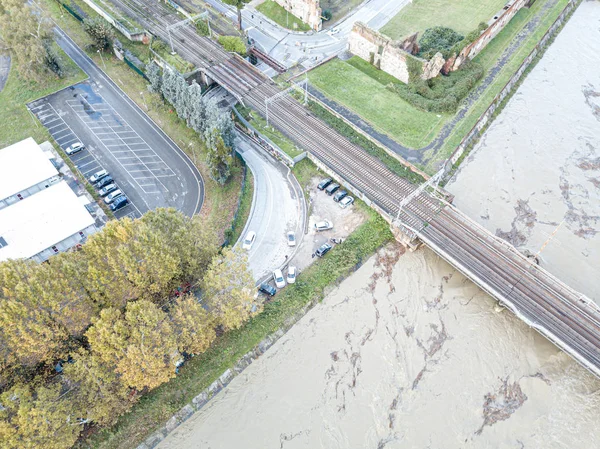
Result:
x=75 y=148
x=107 y=189
x=332 y=189
x=267 y=289
x=291 y=238
x=333 y=31
x=323 y=249
x=323 y=225
x=119 y=202
x=346 y=201
x=340 y=195
x=291 y=275
x=323 y=184
x=249 y=240
x=112 y=196
x=104 y=182
x=98 y=176
x=278 y=278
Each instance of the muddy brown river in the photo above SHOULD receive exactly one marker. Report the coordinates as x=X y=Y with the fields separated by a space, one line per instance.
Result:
x=407 y=353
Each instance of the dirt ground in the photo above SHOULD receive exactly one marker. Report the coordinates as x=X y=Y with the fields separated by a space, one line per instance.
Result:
x=321 y=207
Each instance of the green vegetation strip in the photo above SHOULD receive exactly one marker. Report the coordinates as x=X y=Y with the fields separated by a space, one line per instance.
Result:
x=282 y=17
x=362 y=91
x=17 y=122
x=159 y=405
x=374 y=150
x=243 y=210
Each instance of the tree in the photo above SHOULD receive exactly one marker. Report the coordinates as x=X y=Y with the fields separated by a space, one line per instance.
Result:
x=24 y=33
x=436 y=39
x=101 y=32
x=97 y=388
x=52 y=59
x=140 y=343
x=34 y=416
x=154 y=77
x=233 y=43
x=229 y=290
x=193 y=325
x=218 y=156
x=197 y=117
x=239 y=5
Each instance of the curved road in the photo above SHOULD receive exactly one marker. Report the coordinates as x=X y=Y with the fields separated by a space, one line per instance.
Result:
x=277 y=207
x=146 y=163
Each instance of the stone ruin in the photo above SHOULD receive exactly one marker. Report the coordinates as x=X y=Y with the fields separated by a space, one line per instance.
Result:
x=309 y=11
x=391 y=56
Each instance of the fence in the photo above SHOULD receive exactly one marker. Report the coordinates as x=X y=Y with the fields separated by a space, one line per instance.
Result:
x=476 y=131
x=71 y=11
x=135 y=68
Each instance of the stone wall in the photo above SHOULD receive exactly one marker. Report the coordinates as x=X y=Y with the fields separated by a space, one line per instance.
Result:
x=387 y=54
x=495 y=25
x=309 y=11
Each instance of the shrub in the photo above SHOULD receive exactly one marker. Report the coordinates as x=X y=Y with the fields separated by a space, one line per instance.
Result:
x=233 y=43
x=436 y=39
x=202 y=28
x=443 y=93
x=326 y=15
x=101 y=32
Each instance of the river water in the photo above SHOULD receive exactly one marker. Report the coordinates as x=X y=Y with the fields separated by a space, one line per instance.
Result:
x=537 y=168
x=407 y=353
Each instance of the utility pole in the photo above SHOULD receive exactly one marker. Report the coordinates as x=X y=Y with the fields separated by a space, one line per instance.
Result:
x=278 y=95
x=179 y=25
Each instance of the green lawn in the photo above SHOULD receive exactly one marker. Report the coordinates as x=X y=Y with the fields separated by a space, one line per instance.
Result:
x=281 y=16
x=460 y=15
x=278 y=139
x=369 y=98
x=17 y=122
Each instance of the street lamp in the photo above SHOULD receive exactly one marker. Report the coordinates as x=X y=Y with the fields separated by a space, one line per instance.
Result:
x=144 y=100
x=100 y=53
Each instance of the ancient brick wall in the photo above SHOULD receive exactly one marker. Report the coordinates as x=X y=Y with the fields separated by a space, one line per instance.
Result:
x=495 y=25
x=309 y=11
x=387 y=54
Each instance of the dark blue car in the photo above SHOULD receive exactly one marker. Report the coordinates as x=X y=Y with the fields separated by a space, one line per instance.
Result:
x=119 y=202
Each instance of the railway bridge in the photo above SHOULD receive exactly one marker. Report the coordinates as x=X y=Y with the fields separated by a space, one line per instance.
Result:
x=567 y=318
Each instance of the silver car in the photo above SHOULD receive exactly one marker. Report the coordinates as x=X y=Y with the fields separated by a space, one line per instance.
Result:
x=346 y=201
x=323 y=225
x=112 y=196
x=75 y=148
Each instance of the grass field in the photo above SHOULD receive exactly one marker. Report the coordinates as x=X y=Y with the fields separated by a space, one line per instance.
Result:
x=281 y=16
x=460 y=15
x=17 y=122
x=384 y=110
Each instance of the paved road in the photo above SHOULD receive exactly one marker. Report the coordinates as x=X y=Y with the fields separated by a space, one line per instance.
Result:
x=277 y=207
x=151 y=169
x=309 y=48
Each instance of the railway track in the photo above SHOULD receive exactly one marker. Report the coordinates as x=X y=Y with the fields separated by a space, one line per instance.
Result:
x=568 y=319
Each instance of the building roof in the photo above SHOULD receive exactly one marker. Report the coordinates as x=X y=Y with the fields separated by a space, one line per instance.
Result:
x=23 y=165
x=41 y=221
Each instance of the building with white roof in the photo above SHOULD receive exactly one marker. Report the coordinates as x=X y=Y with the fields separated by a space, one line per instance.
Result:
x=40 y=215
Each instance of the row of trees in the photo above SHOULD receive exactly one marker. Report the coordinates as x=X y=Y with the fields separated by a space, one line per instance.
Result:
x=26 y=34
x=110 y=315
x=215 y=127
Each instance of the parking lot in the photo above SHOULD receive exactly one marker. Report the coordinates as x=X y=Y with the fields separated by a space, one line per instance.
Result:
x=150 y=170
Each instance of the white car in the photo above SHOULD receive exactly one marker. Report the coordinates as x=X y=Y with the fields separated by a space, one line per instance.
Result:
x=291 y=275
x=75 y=148
x=291 y=238
x=346 y=201
x=98 y=176
x=278 y=278
x=333 y=31
x=323 y=225
x=112 y=196
x=249 y=240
